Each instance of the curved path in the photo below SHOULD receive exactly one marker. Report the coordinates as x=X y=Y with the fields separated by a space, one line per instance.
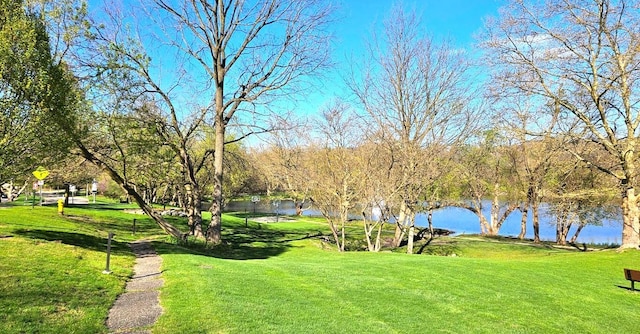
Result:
x=138 y=307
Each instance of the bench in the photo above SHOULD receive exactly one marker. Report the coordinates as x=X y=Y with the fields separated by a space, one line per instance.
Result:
x=633 y=276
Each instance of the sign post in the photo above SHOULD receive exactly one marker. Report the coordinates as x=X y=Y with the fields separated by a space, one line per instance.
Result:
x=276 y=203
x=72 y=190
x=41 y=184
x=107 y=270
x=254 y=200
x=40 y=173
x=94 y=189
x=33 y=192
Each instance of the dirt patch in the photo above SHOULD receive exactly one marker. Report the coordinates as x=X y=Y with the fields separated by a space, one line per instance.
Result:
x=272 y=219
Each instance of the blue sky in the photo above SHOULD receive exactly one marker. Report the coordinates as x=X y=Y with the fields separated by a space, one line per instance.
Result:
x=457 y=20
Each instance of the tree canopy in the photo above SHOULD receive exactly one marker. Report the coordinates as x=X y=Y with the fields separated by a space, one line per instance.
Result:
x=31 y=86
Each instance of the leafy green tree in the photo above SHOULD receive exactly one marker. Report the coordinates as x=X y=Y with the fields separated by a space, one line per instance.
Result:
x=58 y=96
x=28 y=135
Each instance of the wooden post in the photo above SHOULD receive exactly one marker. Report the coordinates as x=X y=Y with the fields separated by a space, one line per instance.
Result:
x=107 y=270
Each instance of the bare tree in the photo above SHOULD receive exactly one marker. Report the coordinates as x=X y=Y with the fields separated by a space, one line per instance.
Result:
x=336 y=171
x=378 y=194
x=584 y=57
x=281 y=160
x=418 y=97
x=249 y=52
x=533 y=151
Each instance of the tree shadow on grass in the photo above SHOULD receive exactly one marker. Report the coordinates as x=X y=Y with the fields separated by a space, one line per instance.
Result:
x=76 y=239
x=241 y=244
x=96 y=206
x=118 y=225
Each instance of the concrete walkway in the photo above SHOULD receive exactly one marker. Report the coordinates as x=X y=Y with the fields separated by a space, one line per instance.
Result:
x=138 y=307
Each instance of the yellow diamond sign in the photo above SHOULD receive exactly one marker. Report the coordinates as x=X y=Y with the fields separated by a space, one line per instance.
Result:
x=40 y=173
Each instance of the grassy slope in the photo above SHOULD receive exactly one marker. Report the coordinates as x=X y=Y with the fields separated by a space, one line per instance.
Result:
x=277 y=278
x=491 y=287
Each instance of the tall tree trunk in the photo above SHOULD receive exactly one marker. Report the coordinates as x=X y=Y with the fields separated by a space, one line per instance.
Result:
x=562 y=228
x=334 y=231
x=215 y=227
x=377 y=246
x=630 y=219
x=536 y=221
x=154 y=194
x=368 y=228
x=180 y=199
x=192 y=193
x=523 y=222
x=495 y=211
x=402 y=218
x=214 y=232
x=411 y=233
x=192 y=206
x=66 y=194
x=484 y=225
x=343 y=236
x=410 y=240
x=298 y=208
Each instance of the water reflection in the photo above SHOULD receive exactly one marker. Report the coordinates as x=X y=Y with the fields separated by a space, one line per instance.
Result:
x=459 y=220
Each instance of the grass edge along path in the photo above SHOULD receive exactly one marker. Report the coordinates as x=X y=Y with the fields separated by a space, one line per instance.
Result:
x=51 y=278
x=138 y=307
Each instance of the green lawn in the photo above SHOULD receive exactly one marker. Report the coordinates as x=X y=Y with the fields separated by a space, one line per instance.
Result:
x=281 y=278
x=51 y=267
x=307 y=289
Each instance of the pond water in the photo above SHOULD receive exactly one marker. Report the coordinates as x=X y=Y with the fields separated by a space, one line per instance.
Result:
x=462 y=221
